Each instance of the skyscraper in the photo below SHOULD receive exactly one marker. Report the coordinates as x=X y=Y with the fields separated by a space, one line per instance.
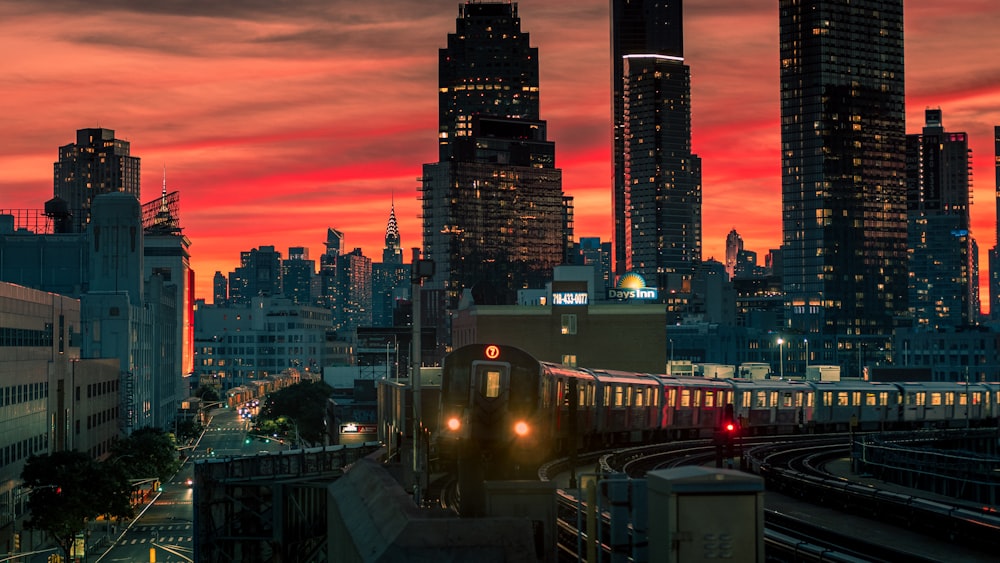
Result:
x=657 y=179
x=734 y=245
x=96 y=164
x=493 y=204
x=941 y=286
x=843 y=170
x=995 y=251
x=390 y=278
x=297 y=273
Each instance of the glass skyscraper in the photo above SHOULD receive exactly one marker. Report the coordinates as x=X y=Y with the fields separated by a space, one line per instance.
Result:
x=942 y=289
x=657 y=179
x=493 y=208
x=843 y=171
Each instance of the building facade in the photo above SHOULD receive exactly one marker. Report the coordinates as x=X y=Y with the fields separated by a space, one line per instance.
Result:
x=995 y=251
x=843 y=171
x=492 y=206
x=941 y=283
x=657 y=192
x=97 y=163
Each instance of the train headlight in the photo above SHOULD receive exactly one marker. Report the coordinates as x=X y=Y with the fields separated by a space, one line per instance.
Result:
x=454 y=423
x=521 y=428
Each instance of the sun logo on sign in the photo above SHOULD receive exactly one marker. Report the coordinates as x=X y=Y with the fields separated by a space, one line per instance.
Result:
x=631 y=280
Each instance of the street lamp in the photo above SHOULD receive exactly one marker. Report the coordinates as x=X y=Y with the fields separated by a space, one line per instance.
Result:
x=781 y=357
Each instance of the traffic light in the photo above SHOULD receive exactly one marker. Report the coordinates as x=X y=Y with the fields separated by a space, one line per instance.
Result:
x=246 y=440
x=17 y=541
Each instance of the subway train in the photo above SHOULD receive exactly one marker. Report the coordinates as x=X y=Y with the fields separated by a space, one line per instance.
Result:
x=503 y=412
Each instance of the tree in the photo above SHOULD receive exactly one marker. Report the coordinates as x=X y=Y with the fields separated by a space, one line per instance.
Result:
x=146 y=453
x=66 y=489
x=207 y=394
x=304 y=403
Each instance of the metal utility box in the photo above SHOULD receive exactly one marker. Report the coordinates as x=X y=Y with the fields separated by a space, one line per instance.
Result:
x=701 y=514
x=533 y=500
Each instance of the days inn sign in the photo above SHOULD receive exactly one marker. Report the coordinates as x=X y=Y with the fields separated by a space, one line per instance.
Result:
x=632 y=286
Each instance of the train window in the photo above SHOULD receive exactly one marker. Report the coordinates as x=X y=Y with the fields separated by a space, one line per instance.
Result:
x=773 y=402
x=963 y=399
x=761 y=399
x=745 y=401
x=842 y=399
x=809 y=400
x=547 y=394
x=582 y=399
x=976 y=398
x=828 y=398
x=685 y=397
x=618 y=395
x=709 y=399
x=489 y=381
x=696 y=398
x=671 y=398
x=935 y=399
x=870 y=399
x=786 y=400
x=607 y=396
x=920 y=398
x=590 y=394
x=798 y=398
x=856 y=398
x=883 y=399
x=628 y=396
x=949 y=399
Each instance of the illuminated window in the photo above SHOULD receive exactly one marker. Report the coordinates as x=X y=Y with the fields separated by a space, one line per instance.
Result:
x=489 y=383
x=569 y=360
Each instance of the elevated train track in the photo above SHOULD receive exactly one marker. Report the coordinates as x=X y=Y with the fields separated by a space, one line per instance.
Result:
x=793 y=465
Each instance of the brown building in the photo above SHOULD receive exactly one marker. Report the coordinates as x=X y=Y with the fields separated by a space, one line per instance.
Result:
x=573 y=330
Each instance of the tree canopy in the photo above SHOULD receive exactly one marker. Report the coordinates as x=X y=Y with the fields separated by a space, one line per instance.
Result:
x=304 y=403
x=146 y=453
x=68 y=487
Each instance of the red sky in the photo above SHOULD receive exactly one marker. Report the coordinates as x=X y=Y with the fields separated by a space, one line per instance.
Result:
x=277 y=120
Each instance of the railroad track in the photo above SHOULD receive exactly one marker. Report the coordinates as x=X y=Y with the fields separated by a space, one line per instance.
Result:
x=792 y=465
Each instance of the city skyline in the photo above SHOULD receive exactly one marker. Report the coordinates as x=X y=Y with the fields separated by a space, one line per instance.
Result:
x=301 y=110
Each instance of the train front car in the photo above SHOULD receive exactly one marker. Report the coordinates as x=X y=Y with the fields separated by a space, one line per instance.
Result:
x=489 y=417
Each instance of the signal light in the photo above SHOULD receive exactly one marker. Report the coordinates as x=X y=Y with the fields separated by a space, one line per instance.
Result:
x=454 y=424
x=521 y=428
x=730 y=427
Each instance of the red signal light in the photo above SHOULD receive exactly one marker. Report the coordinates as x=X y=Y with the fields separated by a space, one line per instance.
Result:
x=730 y=427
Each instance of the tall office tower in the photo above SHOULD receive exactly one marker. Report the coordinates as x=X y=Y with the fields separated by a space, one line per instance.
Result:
x=259 y=274
x=96 y=164
x=297 y=272
x=493 y=205
x=843 y=186
x=938 y=185
x=220 y=289
x=328 y=292
x=657 y=179
x=734 y=244
x=390 y=278
x=995 y=251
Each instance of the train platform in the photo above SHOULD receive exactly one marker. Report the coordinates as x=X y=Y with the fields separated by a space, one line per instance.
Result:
x=842 y=522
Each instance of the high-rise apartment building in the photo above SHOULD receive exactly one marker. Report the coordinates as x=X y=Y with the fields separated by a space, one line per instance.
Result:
x=297 y=273
x=97 y=163
x=657 y=179
x=938 y=185
x=843 y=172
x=493 y=208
